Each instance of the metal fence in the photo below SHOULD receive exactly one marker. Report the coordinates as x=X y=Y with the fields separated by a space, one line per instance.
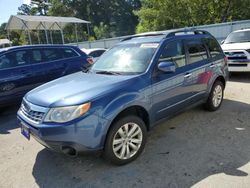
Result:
x=220 y=31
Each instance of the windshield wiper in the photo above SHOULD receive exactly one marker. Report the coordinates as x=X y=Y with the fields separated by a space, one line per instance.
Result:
x=108 y=72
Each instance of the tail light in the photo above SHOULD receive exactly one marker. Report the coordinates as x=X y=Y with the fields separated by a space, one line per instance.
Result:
x=90 y=60
x=225 y=59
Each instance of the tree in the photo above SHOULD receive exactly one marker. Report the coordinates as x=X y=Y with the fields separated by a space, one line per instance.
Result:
x=2 y=31
x=167 y=14
x=36 y=7
x=116 y=15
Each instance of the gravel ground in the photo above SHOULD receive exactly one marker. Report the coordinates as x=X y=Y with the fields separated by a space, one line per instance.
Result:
x=194 y=149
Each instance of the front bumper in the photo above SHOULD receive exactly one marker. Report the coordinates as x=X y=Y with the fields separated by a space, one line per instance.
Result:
x=84 y=135
x=239 y=66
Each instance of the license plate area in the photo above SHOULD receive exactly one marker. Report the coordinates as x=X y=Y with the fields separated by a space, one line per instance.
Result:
x=25 y=131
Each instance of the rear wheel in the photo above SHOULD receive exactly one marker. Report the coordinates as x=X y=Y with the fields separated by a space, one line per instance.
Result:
x=126 y=140
x=215 y=98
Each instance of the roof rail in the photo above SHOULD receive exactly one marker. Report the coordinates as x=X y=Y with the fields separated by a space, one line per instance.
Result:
x=170 y=34
x=142 y=35
x=195 y=31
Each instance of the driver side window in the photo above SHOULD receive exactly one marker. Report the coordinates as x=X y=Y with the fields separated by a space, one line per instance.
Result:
x=174 y=52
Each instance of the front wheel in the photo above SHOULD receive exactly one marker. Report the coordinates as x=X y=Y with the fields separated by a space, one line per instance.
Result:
x=215 y=98
x=126 y=140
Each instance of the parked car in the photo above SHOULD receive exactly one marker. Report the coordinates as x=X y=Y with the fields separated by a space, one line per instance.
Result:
x=133 y=86
x=93 y=53
x=237 y=49
x=26 y=67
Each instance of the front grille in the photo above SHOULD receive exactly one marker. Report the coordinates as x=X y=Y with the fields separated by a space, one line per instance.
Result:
x=32 y=115
x=234 y=58
x=235 y=55
x=237 y=65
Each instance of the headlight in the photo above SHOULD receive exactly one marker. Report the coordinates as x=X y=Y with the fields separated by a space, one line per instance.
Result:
x=65 y=114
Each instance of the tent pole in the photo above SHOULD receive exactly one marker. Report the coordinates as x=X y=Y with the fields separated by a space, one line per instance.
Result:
x=30 y=41
x=76 y=34
x=8 y=33
x=88 y=29
x=46 y=35
x=38 y=33
x=61 y=30
x=62 y=36
x=51 y=37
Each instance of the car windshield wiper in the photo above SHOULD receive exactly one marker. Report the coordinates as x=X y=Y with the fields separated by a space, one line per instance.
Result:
x=108 y=72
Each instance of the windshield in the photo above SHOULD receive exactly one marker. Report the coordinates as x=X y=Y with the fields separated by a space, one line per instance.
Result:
x=242 y=36
x=126 y=59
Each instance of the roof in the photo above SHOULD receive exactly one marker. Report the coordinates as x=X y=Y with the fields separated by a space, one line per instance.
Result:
x=5 y=41
x=35 y=46
x=146 y=39
x=156 y=37
x=21 y=22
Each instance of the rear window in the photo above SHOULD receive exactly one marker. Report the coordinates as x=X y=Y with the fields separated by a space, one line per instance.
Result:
x=5 y=62
x=67 y=53
x=213 y=47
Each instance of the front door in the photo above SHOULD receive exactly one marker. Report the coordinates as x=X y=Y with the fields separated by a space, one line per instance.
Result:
x=169 y=89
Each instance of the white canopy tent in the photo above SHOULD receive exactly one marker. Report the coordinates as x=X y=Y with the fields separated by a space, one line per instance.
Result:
x=5 y=42
x=44 y=23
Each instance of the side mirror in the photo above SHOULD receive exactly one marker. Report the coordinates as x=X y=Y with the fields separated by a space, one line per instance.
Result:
x=166 y=67
x=222 y=42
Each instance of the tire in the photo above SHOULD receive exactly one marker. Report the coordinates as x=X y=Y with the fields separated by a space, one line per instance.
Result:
x=127 y=147
x=215 y=98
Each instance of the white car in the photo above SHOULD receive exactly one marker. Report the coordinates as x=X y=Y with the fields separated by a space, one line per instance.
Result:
x=237 y=49
x=94 y=53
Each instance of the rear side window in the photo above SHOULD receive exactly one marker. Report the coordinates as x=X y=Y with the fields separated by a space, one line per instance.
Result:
x=67 y=53
x=197 y=51
x=14 y=59
x=36 y=56
x=5 y=62
x=213 y=47
x=52 y=54
x=174 y=52
x=21 y=58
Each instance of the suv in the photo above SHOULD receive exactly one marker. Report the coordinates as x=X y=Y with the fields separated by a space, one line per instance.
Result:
x=142 y=80
x=26 y=67
x=237 y=49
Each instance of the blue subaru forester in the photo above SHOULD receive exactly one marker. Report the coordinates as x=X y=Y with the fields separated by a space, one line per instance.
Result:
x=142 y=80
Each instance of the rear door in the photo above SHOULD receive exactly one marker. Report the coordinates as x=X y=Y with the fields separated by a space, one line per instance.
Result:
x=72 y=60
x=16 y=76
x=196 y=69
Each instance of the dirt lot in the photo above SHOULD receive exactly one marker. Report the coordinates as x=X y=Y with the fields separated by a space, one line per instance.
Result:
x=196 y=148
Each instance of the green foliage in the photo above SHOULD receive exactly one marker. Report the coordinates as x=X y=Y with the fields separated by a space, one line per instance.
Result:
x=27 y=10
x=102 y=31
x=166 y=14
x=105 y=16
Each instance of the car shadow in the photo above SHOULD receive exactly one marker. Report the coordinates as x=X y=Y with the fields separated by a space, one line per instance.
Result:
x=180 y=152
x=240 y=77
x=8 y=119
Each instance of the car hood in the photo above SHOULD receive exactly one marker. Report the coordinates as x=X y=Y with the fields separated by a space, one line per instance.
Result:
x=236 y=46
x=74 y=89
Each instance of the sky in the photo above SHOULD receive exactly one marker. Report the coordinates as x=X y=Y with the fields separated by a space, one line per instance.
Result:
x=10 y=7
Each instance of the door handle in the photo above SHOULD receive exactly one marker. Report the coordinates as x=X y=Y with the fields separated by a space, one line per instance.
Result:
x=212 y=66
x=188 y=75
